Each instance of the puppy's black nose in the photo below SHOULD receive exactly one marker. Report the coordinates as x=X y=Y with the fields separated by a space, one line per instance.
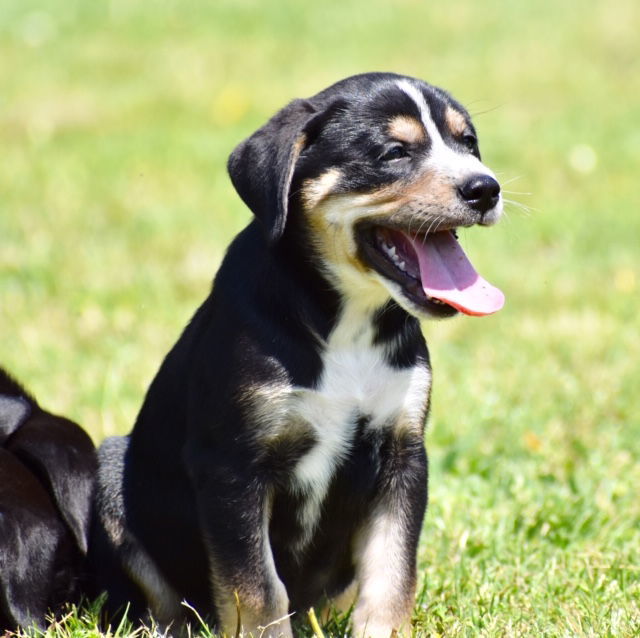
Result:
x=480 y=192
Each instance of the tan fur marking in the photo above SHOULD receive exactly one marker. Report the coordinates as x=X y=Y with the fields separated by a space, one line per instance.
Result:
x=265 y=404
x=455 y=121
x=317 y=189
x=407 y=129
x=385 y=575
x=430 y=188
x=263 y=598
x=425 y=204
x=298 y=145
x=258 y=618
x=331 y=240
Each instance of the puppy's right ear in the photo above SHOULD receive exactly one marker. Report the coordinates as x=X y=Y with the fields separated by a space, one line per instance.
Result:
x=262 y=166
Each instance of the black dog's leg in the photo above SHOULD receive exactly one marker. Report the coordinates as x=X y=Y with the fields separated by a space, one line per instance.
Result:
x=234 y=510
x=387 y=544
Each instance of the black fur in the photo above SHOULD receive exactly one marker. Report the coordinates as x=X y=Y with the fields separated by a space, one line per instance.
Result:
x=47 y=468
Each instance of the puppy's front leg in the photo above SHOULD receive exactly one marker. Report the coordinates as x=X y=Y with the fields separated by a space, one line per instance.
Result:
x=387 y=544
x=234 y=513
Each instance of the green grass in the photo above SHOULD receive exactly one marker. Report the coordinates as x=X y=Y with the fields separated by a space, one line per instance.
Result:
x=116 y=119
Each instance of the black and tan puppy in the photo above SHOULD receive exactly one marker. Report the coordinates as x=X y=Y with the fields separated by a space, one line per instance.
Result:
x=279 y=452
x=47 y=469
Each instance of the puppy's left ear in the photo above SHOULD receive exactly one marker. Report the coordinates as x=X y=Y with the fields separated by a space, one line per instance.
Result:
x=261 y=167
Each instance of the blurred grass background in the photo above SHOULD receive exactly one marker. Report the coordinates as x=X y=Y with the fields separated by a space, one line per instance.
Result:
x=116 y=119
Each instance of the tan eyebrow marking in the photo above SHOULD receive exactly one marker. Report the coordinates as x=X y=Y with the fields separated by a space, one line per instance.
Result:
x=455 y=121
x=407 y=129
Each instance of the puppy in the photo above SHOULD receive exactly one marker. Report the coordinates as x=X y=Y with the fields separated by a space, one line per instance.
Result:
x=47 y=469
x=278 y=459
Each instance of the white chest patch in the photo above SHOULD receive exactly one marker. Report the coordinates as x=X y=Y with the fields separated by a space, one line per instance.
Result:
x=356 y=381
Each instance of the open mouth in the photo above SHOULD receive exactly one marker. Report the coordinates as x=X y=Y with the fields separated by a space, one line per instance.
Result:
x=432 y=270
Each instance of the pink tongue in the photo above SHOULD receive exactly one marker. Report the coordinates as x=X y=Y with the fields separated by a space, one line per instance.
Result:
x=447 y=274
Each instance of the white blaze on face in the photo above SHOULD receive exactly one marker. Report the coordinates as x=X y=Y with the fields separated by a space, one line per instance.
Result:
x=442 y=158
x=445 y=272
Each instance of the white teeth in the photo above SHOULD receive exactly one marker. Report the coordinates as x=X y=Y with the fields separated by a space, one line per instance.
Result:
x=392 y=253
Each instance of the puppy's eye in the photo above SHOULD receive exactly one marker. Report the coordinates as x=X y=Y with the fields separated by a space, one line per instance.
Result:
x=397 y=151
x=470 y=141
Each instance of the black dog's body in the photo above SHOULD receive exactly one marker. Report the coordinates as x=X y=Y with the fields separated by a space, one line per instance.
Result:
x=279 y=452
x=47 y=468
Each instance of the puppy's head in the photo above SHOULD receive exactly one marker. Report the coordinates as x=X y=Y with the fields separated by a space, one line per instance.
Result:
x=381 y=170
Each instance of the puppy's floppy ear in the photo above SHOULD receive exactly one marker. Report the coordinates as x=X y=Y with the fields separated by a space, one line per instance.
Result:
x=262 y=166
x=61 y=454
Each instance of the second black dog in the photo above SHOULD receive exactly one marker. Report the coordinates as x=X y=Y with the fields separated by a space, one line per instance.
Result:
x=47 y=469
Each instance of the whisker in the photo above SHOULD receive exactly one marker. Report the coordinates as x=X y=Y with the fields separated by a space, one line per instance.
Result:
x=515 y=201
x=410 y=222
x=516 y=192
x=511 y=179
x=433 y=224
x=488 y=110
x=424 y=221
x=522 y=207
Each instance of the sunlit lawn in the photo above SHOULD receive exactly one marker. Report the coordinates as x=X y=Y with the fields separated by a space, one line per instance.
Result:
x=115 y=123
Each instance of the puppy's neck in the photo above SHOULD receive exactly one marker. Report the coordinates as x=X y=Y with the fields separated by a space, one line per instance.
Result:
x=354 y=327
